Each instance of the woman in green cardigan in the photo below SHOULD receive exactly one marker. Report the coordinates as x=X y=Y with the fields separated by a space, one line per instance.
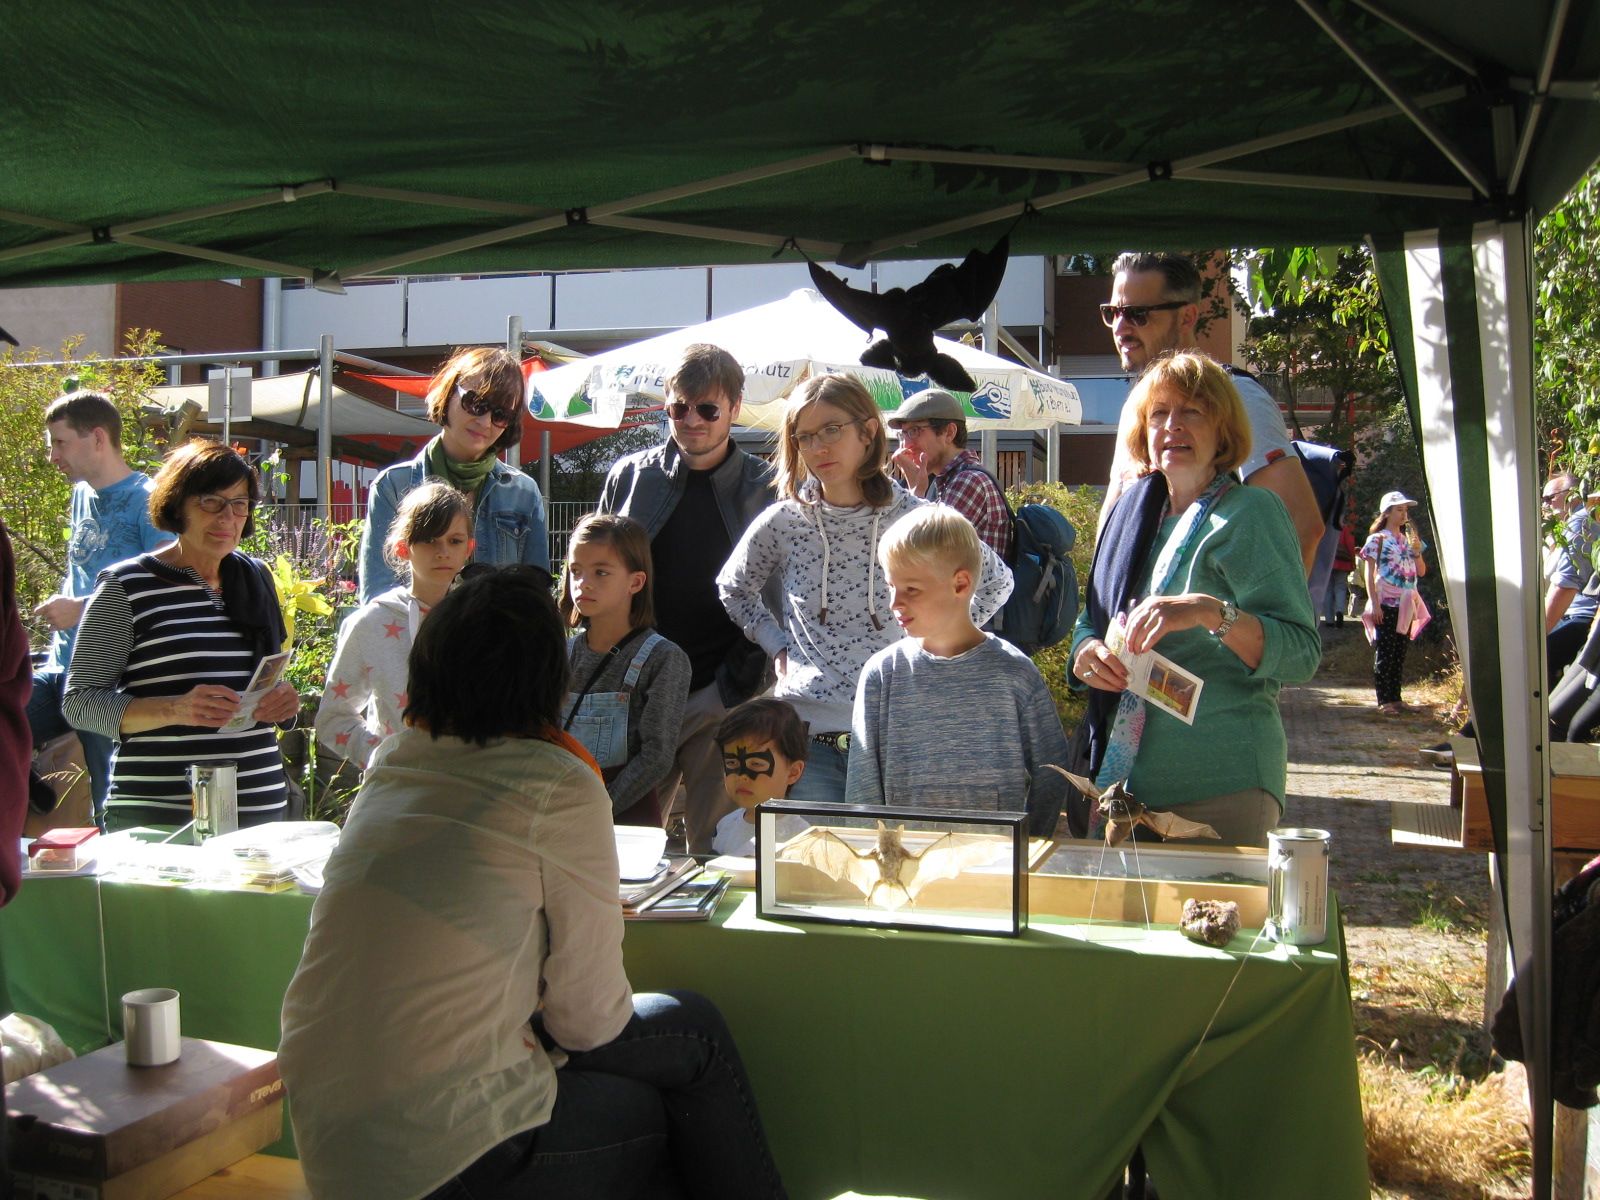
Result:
x=1207 y=573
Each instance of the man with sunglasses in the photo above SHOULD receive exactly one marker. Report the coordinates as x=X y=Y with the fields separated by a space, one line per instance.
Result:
x=1154 y=310
x=695 y=495
x=109 y=522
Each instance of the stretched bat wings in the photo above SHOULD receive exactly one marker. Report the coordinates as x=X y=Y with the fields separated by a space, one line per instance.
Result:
x=889 y=875
x=908 y=316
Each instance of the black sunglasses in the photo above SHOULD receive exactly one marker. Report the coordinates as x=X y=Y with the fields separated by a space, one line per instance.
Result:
x=678 y=410
x=1137 y=314
x=474 y=405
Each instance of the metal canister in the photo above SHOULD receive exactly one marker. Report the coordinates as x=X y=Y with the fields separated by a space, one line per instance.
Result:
x=215 y=790
x=1297 y=885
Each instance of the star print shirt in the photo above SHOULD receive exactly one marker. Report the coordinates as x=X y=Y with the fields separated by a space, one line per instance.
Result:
x=365 y=693
x=827 y=561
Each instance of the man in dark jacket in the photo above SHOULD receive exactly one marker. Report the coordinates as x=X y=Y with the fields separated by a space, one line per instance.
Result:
x=695 y=495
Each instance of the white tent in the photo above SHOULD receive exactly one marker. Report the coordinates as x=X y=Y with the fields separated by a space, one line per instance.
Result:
x=293 y=404
x=780 y=345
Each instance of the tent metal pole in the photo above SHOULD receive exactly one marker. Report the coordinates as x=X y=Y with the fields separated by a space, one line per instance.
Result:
x=1453 y=55
x=1428 y=127
x=440 y=200
x=1141 y=174
x=1547 y=69
x=741 y=237
x=609 y=208
x=1010 y=343
x=325 y=429
x=1052 y=453
x=1326 y=183
x=265 y=265
x=514 y=348
x=285 y=195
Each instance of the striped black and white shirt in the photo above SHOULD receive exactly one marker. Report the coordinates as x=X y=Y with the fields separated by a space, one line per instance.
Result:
x=155 y=630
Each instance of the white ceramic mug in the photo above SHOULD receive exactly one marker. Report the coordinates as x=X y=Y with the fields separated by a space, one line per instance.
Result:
x=150 y=1026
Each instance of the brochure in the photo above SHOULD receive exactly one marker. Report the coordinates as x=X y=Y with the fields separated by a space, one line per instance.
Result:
x=1155 y=678
x=268 y=671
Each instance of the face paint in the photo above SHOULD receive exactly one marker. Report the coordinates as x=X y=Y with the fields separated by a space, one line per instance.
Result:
x=752 y=764
x=755 y=771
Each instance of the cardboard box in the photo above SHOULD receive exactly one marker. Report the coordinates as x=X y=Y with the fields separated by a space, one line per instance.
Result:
x=141 y=1133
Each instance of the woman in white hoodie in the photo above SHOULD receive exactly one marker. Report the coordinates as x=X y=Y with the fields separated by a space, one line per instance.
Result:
x=365 y=692
x=821 y=541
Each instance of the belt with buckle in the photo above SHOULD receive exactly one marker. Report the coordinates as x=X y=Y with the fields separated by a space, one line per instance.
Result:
x=838 y=741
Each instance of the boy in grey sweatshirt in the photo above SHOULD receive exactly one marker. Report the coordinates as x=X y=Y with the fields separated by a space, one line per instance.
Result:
x=951 y=717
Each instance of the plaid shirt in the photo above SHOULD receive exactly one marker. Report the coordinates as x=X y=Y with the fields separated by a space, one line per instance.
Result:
x=969 y=489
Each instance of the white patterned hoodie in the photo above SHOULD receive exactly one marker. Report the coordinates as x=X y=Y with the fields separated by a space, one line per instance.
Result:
x=836 y=611
x=365 y=692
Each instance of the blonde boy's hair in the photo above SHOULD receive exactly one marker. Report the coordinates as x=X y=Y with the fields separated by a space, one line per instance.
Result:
x=932 y=535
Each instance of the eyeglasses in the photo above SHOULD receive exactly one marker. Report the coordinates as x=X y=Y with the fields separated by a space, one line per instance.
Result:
x=239 y=506
x=678 y=410
x=474 y=405
x=826 y=436
x=910 y=430
x=1136 y=314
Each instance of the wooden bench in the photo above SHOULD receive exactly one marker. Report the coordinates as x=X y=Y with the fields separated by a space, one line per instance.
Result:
x=1463 y=824
x=259 y=1177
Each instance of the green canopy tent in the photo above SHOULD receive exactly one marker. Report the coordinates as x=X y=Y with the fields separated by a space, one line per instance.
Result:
x=169 y=141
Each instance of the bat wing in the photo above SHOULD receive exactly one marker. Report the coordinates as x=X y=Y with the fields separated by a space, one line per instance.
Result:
x=1086 y=786
x=832 y=855
x=966 y=291
x=1171 y=825
x=946 y=858
x=865 y=309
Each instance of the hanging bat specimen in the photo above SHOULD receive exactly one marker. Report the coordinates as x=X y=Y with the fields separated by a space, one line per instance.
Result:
x=1122 y=813
x=908 y=316
x=889 y=875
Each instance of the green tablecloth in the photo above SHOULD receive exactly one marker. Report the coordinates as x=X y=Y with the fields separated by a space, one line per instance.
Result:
x=930 y=1065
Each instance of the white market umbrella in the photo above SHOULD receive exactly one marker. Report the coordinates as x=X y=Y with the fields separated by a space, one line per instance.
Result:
x=780 y=345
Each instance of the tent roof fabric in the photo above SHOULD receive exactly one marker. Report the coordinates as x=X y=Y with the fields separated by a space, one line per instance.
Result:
x=297 y=138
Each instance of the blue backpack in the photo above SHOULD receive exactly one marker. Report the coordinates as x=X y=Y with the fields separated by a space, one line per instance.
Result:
x=1044 y=594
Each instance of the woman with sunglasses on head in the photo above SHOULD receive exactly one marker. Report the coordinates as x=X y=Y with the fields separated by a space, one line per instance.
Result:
x=171 y=639
x=477 y=397
x=820 y=540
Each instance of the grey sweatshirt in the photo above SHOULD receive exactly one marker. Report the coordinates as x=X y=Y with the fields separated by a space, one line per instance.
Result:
x=827 y=560
x=973 y=731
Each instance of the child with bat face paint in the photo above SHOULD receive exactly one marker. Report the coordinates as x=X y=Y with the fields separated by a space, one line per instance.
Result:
x=763 y=744
x=949 y=716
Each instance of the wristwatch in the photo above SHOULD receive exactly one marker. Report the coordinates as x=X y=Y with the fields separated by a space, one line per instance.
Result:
x=1230 y=614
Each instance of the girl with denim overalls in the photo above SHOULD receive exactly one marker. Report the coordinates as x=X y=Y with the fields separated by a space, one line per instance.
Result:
x=628 y=683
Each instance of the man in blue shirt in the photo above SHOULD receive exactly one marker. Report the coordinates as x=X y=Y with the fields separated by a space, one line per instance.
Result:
x=110 y=522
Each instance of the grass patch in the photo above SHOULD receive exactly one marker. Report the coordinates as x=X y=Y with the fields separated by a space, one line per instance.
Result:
x=1435 y=1130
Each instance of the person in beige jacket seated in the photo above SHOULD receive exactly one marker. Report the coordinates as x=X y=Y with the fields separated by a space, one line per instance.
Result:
x=475 y=887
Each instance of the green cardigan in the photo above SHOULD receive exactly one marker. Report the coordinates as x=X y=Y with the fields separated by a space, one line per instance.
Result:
x=1247 y=553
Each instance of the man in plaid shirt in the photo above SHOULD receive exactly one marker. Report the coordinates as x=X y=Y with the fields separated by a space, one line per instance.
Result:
x=934 y=461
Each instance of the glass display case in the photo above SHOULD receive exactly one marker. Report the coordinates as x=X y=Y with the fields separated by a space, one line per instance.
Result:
x=959 y=871
x=1148 y=881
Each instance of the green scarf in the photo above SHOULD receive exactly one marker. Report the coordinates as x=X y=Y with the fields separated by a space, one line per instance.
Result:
x=467 y=476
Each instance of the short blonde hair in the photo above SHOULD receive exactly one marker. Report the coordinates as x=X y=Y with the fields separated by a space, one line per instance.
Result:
x=849 y=395
x=932 y=535
x=1195 y=377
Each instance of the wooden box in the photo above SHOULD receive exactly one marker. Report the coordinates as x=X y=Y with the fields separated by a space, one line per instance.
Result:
x=1574 y=796
x=95 y=1128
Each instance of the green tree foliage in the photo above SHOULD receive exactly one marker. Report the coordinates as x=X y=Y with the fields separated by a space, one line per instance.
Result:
x=34 y=496
x=579 y=474
x=1566 y=330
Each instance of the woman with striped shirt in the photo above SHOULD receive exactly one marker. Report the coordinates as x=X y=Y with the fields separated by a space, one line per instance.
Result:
x=169 y=641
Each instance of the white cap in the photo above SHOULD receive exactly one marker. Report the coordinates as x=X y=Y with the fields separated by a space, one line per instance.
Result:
x=1390 y=499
